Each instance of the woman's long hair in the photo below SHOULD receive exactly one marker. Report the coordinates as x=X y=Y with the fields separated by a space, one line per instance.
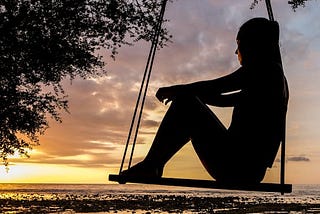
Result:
x=259 y=41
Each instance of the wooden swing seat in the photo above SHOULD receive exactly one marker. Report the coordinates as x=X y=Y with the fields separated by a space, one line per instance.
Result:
x=265 y=187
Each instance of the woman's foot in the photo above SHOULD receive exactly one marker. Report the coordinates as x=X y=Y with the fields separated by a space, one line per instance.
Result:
x=143 y=169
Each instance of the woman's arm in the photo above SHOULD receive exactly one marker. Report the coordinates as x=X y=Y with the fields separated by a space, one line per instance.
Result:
x=210 y=92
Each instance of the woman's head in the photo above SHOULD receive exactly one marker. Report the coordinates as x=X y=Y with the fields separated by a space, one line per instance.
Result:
x=258 y=40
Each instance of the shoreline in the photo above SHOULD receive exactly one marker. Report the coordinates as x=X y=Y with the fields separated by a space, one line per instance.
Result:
x=146 y=203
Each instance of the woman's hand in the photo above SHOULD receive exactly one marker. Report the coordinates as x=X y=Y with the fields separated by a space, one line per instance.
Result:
x=167 y=94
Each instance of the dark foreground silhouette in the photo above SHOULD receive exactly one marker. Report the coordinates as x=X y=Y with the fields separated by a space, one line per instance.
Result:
x=257 y=91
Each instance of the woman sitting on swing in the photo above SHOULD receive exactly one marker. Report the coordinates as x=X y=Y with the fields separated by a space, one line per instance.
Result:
x=259 y=94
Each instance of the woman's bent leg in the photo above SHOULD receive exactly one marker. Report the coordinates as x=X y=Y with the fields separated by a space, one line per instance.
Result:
x=187 y=118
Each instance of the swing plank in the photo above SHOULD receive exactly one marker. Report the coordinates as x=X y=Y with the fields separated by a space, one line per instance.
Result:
x=265 y=187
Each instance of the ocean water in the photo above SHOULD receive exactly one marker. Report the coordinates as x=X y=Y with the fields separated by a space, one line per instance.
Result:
x=137 y=198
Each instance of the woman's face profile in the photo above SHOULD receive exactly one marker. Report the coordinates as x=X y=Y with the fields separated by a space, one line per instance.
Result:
x=238 y=53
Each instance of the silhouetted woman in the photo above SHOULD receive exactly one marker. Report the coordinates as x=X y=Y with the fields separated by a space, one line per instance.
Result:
x=258 y=92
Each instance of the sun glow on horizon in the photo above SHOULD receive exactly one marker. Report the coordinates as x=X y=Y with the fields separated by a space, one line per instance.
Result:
x=50 y=173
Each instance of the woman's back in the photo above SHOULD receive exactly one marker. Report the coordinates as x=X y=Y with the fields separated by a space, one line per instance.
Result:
x=257 y=121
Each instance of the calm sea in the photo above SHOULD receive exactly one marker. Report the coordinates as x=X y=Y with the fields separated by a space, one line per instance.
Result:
x=131 y=198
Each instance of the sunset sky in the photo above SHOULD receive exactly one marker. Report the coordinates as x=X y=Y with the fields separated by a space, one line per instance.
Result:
x=89 y=144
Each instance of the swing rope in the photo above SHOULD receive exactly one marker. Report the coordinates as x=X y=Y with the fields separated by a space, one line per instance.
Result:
x=144 y=85
x=269 y=9
x=283 y=141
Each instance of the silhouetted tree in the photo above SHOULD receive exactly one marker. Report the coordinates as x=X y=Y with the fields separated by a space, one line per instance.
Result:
x=294 y=3
x=44 y=42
